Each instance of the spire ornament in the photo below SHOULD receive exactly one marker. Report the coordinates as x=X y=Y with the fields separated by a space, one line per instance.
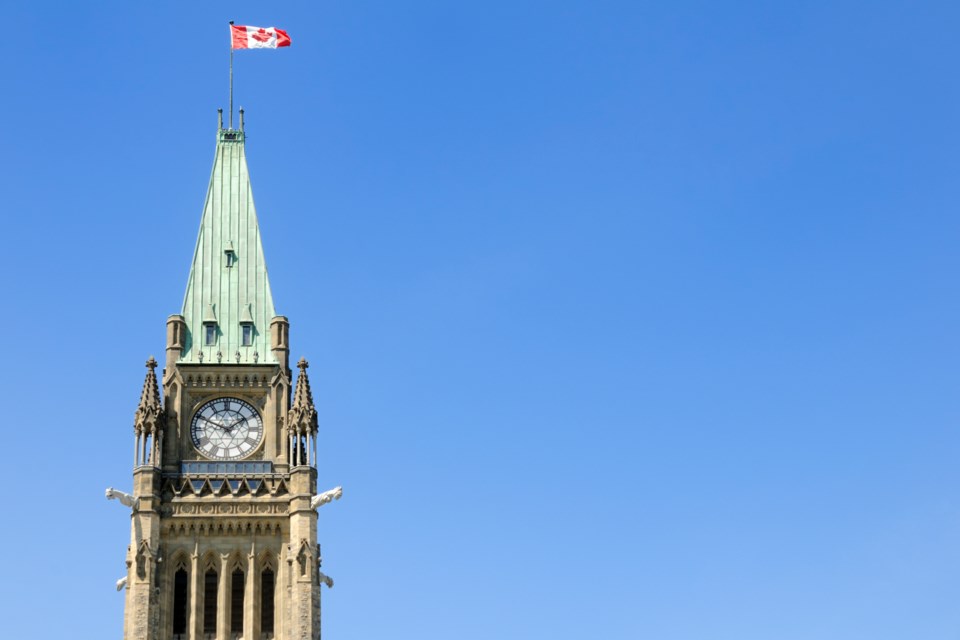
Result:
x=302 y=422
x=148 y=422
x=302 y=416
x=147 y=418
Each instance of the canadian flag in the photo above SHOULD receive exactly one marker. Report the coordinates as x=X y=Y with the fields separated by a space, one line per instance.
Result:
x=258 y=37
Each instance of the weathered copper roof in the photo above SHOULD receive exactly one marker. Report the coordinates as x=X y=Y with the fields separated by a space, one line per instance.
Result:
x=238 y=292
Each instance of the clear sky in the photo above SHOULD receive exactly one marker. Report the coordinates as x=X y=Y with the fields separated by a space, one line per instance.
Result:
x=626 y=319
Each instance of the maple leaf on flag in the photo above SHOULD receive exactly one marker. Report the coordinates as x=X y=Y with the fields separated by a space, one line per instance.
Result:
x=247 y=37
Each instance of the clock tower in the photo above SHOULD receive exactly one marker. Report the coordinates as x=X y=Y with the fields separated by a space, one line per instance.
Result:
x=223 y=537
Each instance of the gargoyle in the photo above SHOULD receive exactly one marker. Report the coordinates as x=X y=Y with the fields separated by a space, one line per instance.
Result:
x=325 y=579
x=321 y=499
x=121 y=583
x=125 y=499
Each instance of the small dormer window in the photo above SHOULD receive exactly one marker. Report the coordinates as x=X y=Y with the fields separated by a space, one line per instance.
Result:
x=246 y=325
x=230 y=253
x=210 y=326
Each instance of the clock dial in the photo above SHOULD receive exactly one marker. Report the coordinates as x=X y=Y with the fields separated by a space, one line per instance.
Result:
x=226 y=429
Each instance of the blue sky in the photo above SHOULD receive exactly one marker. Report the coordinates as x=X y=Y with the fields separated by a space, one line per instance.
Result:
x=626 y=319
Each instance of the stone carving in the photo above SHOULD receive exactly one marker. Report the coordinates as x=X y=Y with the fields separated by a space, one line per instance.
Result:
x=302 y=558
x=321 y=499
x=324 y=579
x=143 y=554
x=121 y=583
x=246 y=510
x=222 y=381
x=124 y=498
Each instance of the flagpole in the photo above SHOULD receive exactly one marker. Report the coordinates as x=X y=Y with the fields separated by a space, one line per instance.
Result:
x=231 y=75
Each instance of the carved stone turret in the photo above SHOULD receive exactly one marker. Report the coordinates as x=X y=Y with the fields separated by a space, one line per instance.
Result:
x=280 y=341
x=176 y=336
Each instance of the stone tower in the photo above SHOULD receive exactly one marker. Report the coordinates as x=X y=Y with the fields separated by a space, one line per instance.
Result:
x=223 y=538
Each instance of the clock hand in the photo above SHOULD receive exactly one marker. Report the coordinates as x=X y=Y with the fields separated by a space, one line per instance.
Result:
x=233 y=424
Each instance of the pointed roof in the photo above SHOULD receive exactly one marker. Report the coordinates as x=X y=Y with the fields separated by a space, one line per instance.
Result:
x=302 y=415
x=149 y=411
x=228 y=284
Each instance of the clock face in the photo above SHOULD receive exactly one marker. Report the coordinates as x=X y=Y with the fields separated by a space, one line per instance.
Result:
x=226 y=429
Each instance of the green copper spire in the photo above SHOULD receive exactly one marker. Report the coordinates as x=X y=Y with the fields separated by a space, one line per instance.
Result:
x=228 y=305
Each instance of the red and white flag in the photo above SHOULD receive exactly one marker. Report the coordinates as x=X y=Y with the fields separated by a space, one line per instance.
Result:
x=258 y=37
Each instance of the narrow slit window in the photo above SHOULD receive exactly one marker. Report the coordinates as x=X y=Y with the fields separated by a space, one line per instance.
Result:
x=236 y=602
x=210 y=602
x=180 y=604
x=247 y=331
x=266 y=601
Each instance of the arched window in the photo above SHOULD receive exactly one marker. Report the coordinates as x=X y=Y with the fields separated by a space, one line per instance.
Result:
x=180 y=604
x=267 y=584
x=236 y=601
x=210 y=602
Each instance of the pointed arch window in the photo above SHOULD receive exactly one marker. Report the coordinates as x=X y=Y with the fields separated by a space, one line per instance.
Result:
x=180 y=604
x=267 y=588
x=236 y=601
x=210 y=601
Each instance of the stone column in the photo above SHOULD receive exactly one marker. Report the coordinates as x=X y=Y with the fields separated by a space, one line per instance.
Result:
x=251 y=604
x=304 y=605
x=195 y=605
x=142 y=614
x=223 y=600
x=281 y=594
